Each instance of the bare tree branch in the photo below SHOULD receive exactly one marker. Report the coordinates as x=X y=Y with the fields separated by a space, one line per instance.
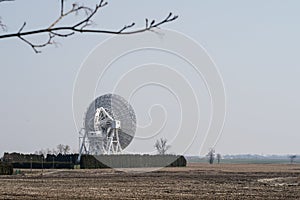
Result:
x=62 y=2
x=36 y=46
x=75 y=9
x=81 y=27
x=22 y=27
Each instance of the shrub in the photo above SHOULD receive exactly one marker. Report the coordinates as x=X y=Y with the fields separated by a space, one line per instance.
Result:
x=6 y=169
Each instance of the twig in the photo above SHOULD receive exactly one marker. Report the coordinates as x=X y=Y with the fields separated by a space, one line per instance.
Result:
x=35 y=46
x=75 y=9
x=65 y=31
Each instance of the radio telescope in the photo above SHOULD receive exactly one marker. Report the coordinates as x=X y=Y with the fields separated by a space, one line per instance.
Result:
x=109 y=126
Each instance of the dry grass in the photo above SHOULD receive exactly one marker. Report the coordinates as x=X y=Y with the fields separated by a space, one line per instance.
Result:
x=197 y=181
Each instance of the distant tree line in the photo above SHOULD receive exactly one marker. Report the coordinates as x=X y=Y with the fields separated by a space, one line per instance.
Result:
x=60 y=149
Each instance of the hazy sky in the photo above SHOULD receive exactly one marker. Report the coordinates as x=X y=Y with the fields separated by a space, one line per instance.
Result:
x=255 y=45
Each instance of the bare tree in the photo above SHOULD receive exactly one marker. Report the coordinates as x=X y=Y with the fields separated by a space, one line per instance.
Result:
x=292 y=158
x=42 y=152
x=54 y=151
x=81 y=26
x=211 y=155
x=219 y=158
x=66 y=149
x=60 y=148
x=161 y=146
x=48 y=151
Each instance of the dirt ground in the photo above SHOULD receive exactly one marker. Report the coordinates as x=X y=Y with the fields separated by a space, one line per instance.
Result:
x=196 y=181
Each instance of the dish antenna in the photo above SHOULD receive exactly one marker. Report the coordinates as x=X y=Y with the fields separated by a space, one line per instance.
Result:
x=109 y=126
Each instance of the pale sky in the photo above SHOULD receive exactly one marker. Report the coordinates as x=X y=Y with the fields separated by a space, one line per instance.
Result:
x=255 y=45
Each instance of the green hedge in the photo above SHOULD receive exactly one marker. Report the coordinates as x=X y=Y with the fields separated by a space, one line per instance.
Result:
x=6 y=169
x=26 y=161
x=131 y=161
x=88 y=161
x=45 y=165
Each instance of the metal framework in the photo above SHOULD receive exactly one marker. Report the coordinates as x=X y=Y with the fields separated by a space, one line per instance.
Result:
x=102 y=132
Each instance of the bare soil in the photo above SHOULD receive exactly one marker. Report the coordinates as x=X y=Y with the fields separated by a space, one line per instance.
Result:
x=196 y=181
